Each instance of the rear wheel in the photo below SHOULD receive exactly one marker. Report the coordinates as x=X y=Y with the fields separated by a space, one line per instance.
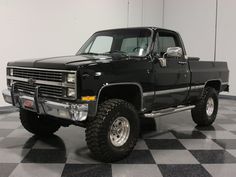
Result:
x=113 y=133
x=38 y=124
x=204 y=114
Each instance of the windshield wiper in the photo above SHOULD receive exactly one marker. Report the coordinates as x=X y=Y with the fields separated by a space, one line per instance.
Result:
x=117 y=52
x=89 y=53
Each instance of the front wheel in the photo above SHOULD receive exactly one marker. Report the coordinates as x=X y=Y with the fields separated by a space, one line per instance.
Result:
x=204 y=114
x=113 y=133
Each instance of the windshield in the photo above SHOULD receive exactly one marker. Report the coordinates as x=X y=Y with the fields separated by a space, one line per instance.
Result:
x=128 y=42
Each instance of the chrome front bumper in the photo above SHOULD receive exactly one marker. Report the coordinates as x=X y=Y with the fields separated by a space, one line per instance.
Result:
x=70 y=111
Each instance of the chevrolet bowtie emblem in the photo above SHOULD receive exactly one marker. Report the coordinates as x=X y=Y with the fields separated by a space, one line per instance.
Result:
x=31 y=81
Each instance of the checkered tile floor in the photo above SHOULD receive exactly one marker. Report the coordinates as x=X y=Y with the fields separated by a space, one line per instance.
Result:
x=176 y=148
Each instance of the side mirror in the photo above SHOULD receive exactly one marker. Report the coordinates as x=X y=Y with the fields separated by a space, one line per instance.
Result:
x=174 y=52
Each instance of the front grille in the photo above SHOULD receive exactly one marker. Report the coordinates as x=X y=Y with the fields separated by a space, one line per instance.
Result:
x=52 y=83
x=38 y=74
x=45 y=90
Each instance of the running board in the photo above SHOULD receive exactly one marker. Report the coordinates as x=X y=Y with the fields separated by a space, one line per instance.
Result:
x=167 y=111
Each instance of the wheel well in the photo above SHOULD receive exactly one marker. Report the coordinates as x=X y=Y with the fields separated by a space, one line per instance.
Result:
x=216 y=84
x=130 y=93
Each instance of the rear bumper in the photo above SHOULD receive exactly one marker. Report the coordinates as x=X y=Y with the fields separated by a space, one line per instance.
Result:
x=65 y=110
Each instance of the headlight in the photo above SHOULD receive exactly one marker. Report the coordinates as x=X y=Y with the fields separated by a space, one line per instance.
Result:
x=70 y=78
x=71 y=92
x=10 y=71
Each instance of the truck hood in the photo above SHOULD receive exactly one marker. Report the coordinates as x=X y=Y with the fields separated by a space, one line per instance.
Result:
x=63 y=62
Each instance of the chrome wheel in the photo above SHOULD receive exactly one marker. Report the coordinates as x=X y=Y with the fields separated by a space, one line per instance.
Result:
x=210 y=106
x=119 y=132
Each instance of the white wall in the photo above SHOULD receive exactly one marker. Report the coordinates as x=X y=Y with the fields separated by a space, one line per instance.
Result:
x=42 y=28
x=226 y=38
x=145 y=13
x=152 y=13
x=135 y=13
x=195 y=21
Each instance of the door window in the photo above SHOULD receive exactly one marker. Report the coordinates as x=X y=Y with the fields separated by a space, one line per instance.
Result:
x=135 y=45
x=165 y=40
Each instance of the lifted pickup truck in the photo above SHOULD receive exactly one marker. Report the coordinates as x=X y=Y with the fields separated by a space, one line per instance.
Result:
x=117 y=76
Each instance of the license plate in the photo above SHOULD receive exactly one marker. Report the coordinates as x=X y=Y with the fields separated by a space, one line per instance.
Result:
x=28 y=104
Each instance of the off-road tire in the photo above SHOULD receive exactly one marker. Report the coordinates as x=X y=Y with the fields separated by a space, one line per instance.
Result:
x=38 y=124
x=98 y=130
x=199 y=113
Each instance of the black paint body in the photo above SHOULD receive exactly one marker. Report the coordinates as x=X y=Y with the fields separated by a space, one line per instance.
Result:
x=145 y=74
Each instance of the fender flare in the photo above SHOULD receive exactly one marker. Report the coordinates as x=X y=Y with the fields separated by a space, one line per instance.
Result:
x=118 y=84
x=213 y=80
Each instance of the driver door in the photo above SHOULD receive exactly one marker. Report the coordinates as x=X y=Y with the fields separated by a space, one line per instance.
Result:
x=172 y=81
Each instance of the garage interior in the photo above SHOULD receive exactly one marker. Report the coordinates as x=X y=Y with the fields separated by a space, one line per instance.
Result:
x=169 y=146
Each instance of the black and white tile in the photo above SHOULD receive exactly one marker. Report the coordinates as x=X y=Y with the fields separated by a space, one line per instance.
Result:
x=170 y=146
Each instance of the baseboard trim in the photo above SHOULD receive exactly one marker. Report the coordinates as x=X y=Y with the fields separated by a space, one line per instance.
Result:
x=8 y=109
x=228 y=97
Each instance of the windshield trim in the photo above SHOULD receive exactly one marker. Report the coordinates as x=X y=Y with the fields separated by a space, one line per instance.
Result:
x=147 y=53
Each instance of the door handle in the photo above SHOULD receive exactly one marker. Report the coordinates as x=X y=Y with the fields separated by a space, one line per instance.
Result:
x=162 y=62
x=182 y=62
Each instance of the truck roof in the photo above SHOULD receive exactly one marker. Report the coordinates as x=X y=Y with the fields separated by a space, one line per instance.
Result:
x=146 y=27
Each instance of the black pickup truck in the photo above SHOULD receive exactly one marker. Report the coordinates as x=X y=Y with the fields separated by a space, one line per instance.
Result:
x=117 y=77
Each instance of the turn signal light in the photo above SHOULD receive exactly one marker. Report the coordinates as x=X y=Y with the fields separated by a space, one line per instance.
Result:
x=88 y=98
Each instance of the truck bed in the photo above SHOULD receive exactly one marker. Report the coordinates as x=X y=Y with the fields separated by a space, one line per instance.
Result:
x=204 y=71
